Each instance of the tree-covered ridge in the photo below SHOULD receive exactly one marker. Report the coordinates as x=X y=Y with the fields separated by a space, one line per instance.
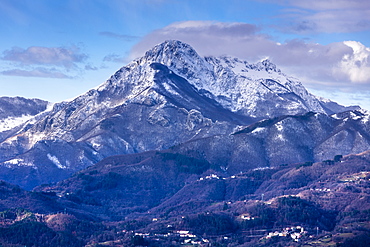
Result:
x=164 y=198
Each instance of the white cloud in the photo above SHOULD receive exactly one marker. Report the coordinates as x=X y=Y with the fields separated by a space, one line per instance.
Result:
x=205 y=36
x=355 y=65
x=337 y=66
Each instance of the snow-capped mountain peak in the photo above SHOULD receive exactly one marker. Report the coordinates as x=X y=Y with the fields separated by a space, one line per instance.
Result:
x=236 y=84
x=169 y=96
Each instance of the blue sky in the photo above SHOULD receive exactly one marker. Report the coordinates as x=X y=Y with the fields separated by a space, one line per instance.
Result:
x=56 y=50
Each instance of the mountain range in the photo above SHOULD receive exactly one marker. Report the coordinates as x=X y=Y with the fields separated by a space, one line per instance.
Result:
x=172 y=96
x=178 y=149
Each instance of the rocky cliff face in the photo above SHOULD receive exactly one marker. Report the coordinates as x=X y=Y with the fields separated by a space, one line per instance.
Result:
x=168 y=97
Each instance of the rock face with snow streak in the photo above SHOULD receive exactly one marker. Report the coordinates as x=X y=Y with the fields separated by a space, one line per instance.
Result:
x=169 y=96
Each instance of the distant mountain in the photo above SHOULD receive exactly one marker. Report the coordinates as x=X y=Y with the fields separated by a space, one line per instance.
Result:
x=332 y=107
x=15 y=111
x=285 y=139
x=18 y=107
x=169 y=96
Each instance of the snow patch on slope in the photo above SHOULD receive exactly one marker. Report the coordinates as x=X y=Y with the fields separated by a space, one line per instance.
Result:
x=18 y=162
x=55 y=160
x=12 y=122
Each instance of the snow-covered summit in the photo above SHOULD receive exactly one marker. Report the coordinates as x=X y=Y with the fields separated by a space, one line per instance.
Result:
x=259 y=90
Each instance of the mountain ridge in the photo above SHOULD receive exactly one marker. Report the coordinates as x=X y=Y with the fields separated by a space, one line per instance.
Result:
x=149 y=191
x=169 y=96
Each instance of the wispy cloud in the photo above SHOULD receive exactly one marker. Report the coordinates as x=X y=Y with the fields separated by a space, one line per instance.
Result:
x=340 y=66
x=37 y=72
x=45 y=62
x=327 y=4
x=90 y=67
x=114 y=58
x=119 y=36
x=330 y=16
x=206 y=36
x=37 y=55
